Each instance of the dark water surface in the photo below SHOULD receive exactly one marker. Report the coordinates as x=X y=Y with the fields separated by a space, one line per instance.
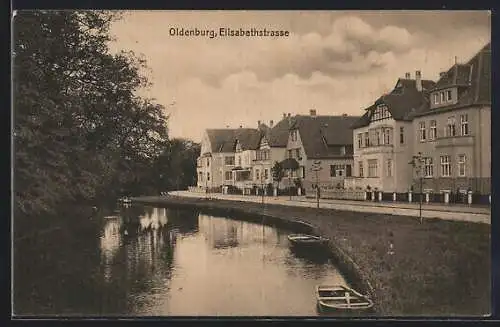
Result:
x=143 y=261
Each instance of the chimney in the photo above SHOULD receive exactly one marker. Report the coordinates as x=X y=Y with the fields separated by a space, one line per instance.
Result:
x=258 y=123
x=441 y=74
x=284 y=115
x=271 y=123
x=418 y=80
x=288 y=115
x=344 y=115
x=407 y=76
x=312 y=112
x=241 y=126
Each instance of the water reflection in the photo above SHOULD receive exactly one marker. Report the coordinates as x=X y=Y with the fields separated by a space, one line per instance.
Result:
x=156 y=261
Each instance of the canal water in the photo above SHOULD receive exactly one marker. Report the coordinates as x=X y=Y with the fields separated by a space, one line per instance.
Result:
x=146 y=261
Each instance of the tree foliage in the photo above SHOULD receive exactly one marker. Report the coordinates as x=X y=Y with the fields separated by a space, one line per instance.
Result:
x=80 y=131
x=278 y=172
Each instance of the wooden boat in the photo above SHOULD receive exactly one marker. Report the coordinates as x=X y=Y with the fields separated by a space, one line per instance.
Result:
x=303 y=240
x=342 y=299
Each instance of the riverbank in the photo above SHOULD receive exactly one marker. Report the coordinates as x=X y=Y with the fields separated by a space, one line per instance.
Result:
x=439 y=268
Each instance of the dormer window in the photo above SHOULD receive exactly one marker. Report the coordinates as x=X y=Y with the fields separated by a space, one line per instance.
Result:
x=442 y=97
x=448 y=96
x=294 y=135
x=381 y=112
x=436 y=98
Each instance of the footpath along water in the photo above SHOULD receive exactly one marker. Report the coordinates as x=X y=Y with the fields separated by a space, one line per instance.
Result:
x=164 y=262
x=457 y=213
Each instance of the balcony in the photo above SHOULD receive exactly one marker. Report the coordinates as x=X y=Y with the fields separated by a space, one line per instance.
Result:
x=454 y=141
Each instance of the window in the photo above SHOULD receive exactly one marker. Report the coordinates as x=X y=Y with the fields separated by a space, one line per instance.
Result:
x=239 y=161
x=360 y=168
x=348 y=170
x=228 y=175
x=448 y=96
x=257 y=174
x=401 y=135
x=445 y=166
x=461 y=165
x=428 y=167
x=266 y=173
x=450 y=127
x=294 y=135
x=377 y=137
x=337 y=170
x=208 y=162
x=381 y=112
x=433 y=130
x=342 y=150
x=200 y=176
x=360 y=140
x=436 y=98
x=289 y=153
x=229 y=161
x=208 y=176
x=464 y=124
x=442 y=97
x=389 y=167
x=297 y=153
x=367 y=139
x=303 y=172
x=387 y=136
x=422 y=131
x=372 y=168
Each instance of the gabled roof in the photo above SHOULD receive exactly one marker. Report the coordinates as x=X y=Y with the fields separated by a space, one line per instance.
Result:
x=249 y=139
x=323 y=136
x=473 y=81
x=401 y=102
x=223 y=140
x=278 y=135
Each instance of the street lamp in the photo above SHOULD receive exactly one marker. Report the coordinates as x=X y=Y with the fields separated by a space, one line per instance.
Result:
x=316 y=168
x=417 y=164
x=262 y=182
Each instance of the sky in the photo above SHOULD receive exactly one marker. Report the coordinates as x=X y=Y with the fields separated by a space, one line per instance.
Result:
x=336 y=62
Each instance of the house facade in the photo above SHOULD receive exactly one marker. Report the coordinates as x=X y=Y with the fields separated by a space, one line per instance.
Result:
x=383 y=138
x=245 y=148
x=217 y=158
x=453 y=131
x=320 y=150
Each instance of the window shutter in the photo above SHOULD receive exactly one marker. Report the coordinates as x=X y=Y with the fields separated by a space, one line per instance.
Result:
x=333 y=171
x=348 y=170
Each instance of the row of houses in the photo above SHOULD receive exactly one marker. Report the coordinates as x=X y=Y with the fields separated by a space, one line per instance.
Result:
x=436 y=133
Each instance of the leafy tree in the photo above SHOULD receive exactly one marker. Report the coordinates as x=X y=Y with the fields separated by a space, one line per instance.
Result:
x=278 y=173
x=80 y=131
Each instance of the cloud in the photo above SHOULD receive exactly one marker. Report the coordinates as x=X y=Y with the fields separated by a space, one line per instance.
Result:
x=333 y=62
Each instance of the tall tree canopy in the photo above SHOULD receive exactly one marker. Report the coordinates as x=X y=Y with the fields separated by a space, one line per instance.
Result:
x=80 y=130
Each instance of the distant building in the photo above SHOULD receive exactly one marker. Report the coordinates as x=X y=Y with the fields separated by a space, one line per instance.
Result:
x=322 y=141
x=245 y=147
x=272 y=149
x=217 y=158
x=383 y=137
x=453 y=129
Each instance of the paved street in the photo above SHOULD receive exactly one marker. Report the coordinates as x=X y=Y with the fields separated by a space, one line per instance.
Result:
x=448 y=212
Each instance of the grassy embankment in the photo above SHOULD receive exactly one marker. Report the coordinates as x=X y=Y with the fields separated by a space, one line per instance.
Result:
x=439 y=268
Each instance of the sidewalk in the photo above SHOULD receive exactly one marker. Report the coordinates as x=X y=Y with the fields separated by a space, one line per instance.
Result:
x=447 y=212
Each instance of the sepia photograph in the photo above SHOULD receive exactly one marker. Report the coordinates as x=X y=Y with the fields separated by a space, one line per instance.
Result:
x=183 y=163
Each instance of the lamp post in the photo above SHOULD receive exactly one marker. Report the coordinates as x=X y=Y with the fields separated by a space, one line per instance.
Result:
x=316 y=168
x=417 y=163
x=262 y=182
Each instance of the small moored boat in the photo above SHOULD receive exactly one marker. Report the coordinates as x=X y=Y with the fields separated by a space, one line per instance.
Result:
x=340 y=298
x=306 y=240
